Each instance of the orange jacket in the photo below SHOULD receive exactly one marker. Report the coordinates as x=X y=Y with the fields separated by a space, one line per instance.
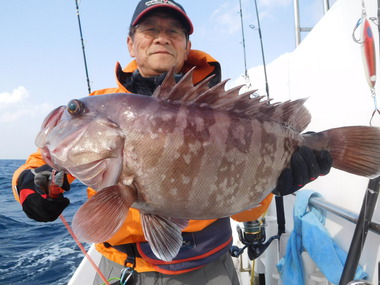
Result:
x=131 y=230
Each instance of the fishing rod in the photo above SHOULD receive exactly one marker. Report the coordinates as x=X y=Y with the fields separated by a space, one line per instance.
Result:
x=262 y=51
x=243 y=39
x=261 y=45
x=83 y=47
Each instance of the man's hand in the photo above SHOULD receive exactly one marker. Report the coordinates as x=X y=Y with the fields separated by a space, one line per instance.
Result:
x=306 y=166
x=33 y=189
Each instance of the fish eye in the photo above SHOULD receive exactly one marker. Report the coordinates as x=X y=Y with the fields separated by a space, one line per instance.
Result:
x=75 y=107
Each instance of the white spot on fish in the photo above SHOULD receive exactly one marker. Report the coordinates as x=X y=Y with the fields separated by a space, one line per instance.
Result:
x=173 y=191
x=223 y=169
x=194 y=148
x=219 y=199
x=199 y=124
x=129 y=115
x=187 y=158
x=127 y=181
x=185 y=179
x=168 y=117
x=239 y=133
x=154 y=136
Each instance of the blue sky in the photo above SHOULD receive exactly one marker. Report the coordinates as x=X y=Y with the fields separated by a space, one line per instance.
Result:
x=41 y=54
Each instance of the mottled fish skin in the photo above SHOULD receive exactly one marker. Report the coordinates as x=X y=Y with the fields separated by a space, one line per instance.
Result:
x=185 y=153
x=198 y=163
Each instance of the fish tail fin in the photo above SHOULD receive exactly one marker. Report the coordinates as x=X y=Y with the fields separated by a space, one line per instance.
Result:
x=353 y=149
x=103 y=214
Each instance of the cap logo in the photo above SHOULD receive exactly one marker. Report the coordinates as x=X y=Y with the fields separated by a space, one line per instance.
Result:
x=155 y=2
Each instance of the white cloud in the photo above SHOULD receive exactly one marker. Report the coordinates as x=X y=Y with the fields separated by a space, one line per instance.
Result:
x=16 y=106
x=31 y=111
x=226 y=17
x=274 y=3
x=16 y=96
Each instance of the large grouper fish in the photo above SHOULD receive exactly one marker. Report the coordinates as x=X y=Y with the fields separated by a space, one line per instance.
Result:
x=186 y=152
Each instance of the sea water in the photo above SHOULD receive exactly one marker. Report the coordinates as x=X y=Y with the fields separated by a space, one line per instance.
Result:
x=32 y=252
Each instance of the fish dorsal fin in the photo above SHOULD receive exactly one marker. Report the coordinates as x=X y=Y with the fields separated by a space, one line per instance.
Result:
x=163 y=234
x=290 y=113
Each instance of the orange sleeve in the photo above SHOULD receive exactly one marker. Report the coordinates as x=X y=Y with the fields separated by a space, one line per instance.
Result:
x=34 y=160
x=255 y=213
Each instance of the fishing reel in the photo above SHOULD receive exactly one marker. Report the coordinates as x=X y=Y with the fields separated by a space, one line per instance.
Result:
x=253 y=236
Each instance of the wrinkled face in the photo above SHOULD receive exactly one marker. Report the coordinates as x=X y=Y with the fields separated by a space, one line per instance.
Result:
x=158 y=44
x=83 y=143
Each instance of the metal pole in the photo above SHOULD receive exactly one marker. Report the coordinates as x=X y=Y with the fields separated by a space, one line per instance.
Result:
x=361 y=230
x=297 y=22
x=341 y=212
x=326 y=5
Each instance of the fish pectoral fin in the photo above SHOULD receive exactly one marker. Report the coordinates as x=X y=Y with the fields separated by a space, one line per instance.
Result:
x=163 y=235
x=102 y=215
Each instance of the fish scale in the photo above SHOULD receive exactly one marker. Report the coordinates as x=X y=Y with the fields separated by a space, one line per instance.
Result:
x=185 y=153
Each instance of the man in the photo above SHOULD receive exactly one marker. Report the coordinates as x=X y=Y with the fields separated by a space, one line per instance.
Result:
x=159 y=41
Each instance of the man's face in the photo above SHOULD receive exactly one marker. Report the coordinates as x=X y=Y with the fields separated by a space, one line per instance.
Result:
x=158 y=44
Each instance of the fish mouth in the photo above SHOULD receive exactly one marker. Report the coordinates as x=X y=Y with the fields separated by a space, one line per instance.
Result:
x=51 y=121
x=89 y=148
x=54 y=117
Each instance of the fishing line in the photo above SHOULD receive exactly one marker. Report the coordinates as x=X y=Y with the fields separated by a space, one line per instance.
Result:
x=83 y=250
x=112 y=279
x=83 y=47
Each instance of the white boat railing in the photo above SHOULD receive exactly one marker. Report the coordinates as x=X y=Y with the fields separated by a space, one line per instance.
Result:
x=342 y=212
x=297 y=26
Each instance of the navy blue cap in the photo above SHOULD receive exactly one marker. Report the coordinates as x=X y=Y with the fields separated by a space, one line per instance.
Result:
x=144 y=7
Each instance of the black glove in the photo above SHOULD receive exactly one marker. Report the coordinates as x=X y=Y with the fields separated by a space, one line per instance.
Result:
x=306 y=166
x=33 y=187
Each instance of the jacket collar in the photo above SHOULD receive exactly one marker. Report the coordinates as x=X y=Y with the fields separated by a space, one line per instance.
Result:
x=205 y=66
